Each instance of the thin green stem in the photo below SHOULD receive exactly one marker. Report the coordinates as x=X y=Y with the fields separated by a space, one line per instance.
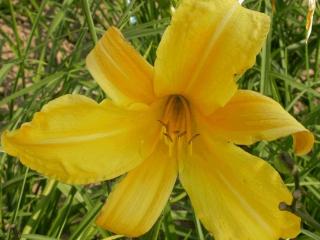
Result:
x=50 y=185
x=296 y=206
x=86 y=9
x=19 y=52
x=308 y=79
x=15 y=214
x=317 y=60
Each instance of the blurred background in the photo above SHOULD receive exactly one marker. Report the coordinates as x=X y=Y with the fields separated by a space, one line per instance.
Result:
x=43 y=45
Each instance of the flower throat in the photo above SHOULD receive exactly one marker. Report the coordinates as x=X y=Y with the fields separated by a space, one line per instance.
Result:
x=176 y=124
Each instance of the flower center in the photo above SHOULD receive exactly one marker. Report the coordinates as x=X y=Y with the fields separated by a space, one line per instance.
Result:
x=176 y=124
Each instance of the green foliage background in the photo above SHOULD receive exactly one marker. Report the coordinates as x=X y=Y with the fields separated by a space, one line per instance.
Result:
x=43 y=45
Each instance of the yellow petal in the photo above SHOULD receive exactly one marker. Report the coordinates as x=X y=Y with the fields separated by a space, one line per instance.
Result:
x=236 y=195
x=123 y=74
x=137 y=201
x=250 y=117
x=208 y=43
x=76 y=140
x=311 y=9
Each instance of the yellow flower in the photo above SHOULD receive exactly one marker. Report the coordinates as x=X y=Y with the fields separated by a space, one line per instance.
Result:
x=181 y=117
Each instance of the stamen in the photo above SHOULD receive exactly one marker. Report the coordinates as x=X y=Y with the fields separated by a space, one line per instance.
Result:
x=162 y=123
x=169 y=109
x=193 y=137
x=168 y=136
x=187 y=118
x=181 y=134
x=177 y=126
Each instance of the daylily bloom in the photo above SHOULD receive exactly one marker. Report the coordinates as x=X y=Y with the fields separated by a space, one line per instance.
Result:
x=183 y=117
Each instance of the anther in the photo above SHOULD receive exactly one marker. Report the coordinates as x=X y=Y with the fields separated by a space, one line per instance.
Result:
x=193 y=137
x=180 y=134
x=168 y=136
x=163 y=124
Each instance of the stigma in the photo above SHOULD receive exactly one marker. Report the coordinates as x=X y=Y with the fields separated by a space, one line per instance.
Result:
x=177 y=125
